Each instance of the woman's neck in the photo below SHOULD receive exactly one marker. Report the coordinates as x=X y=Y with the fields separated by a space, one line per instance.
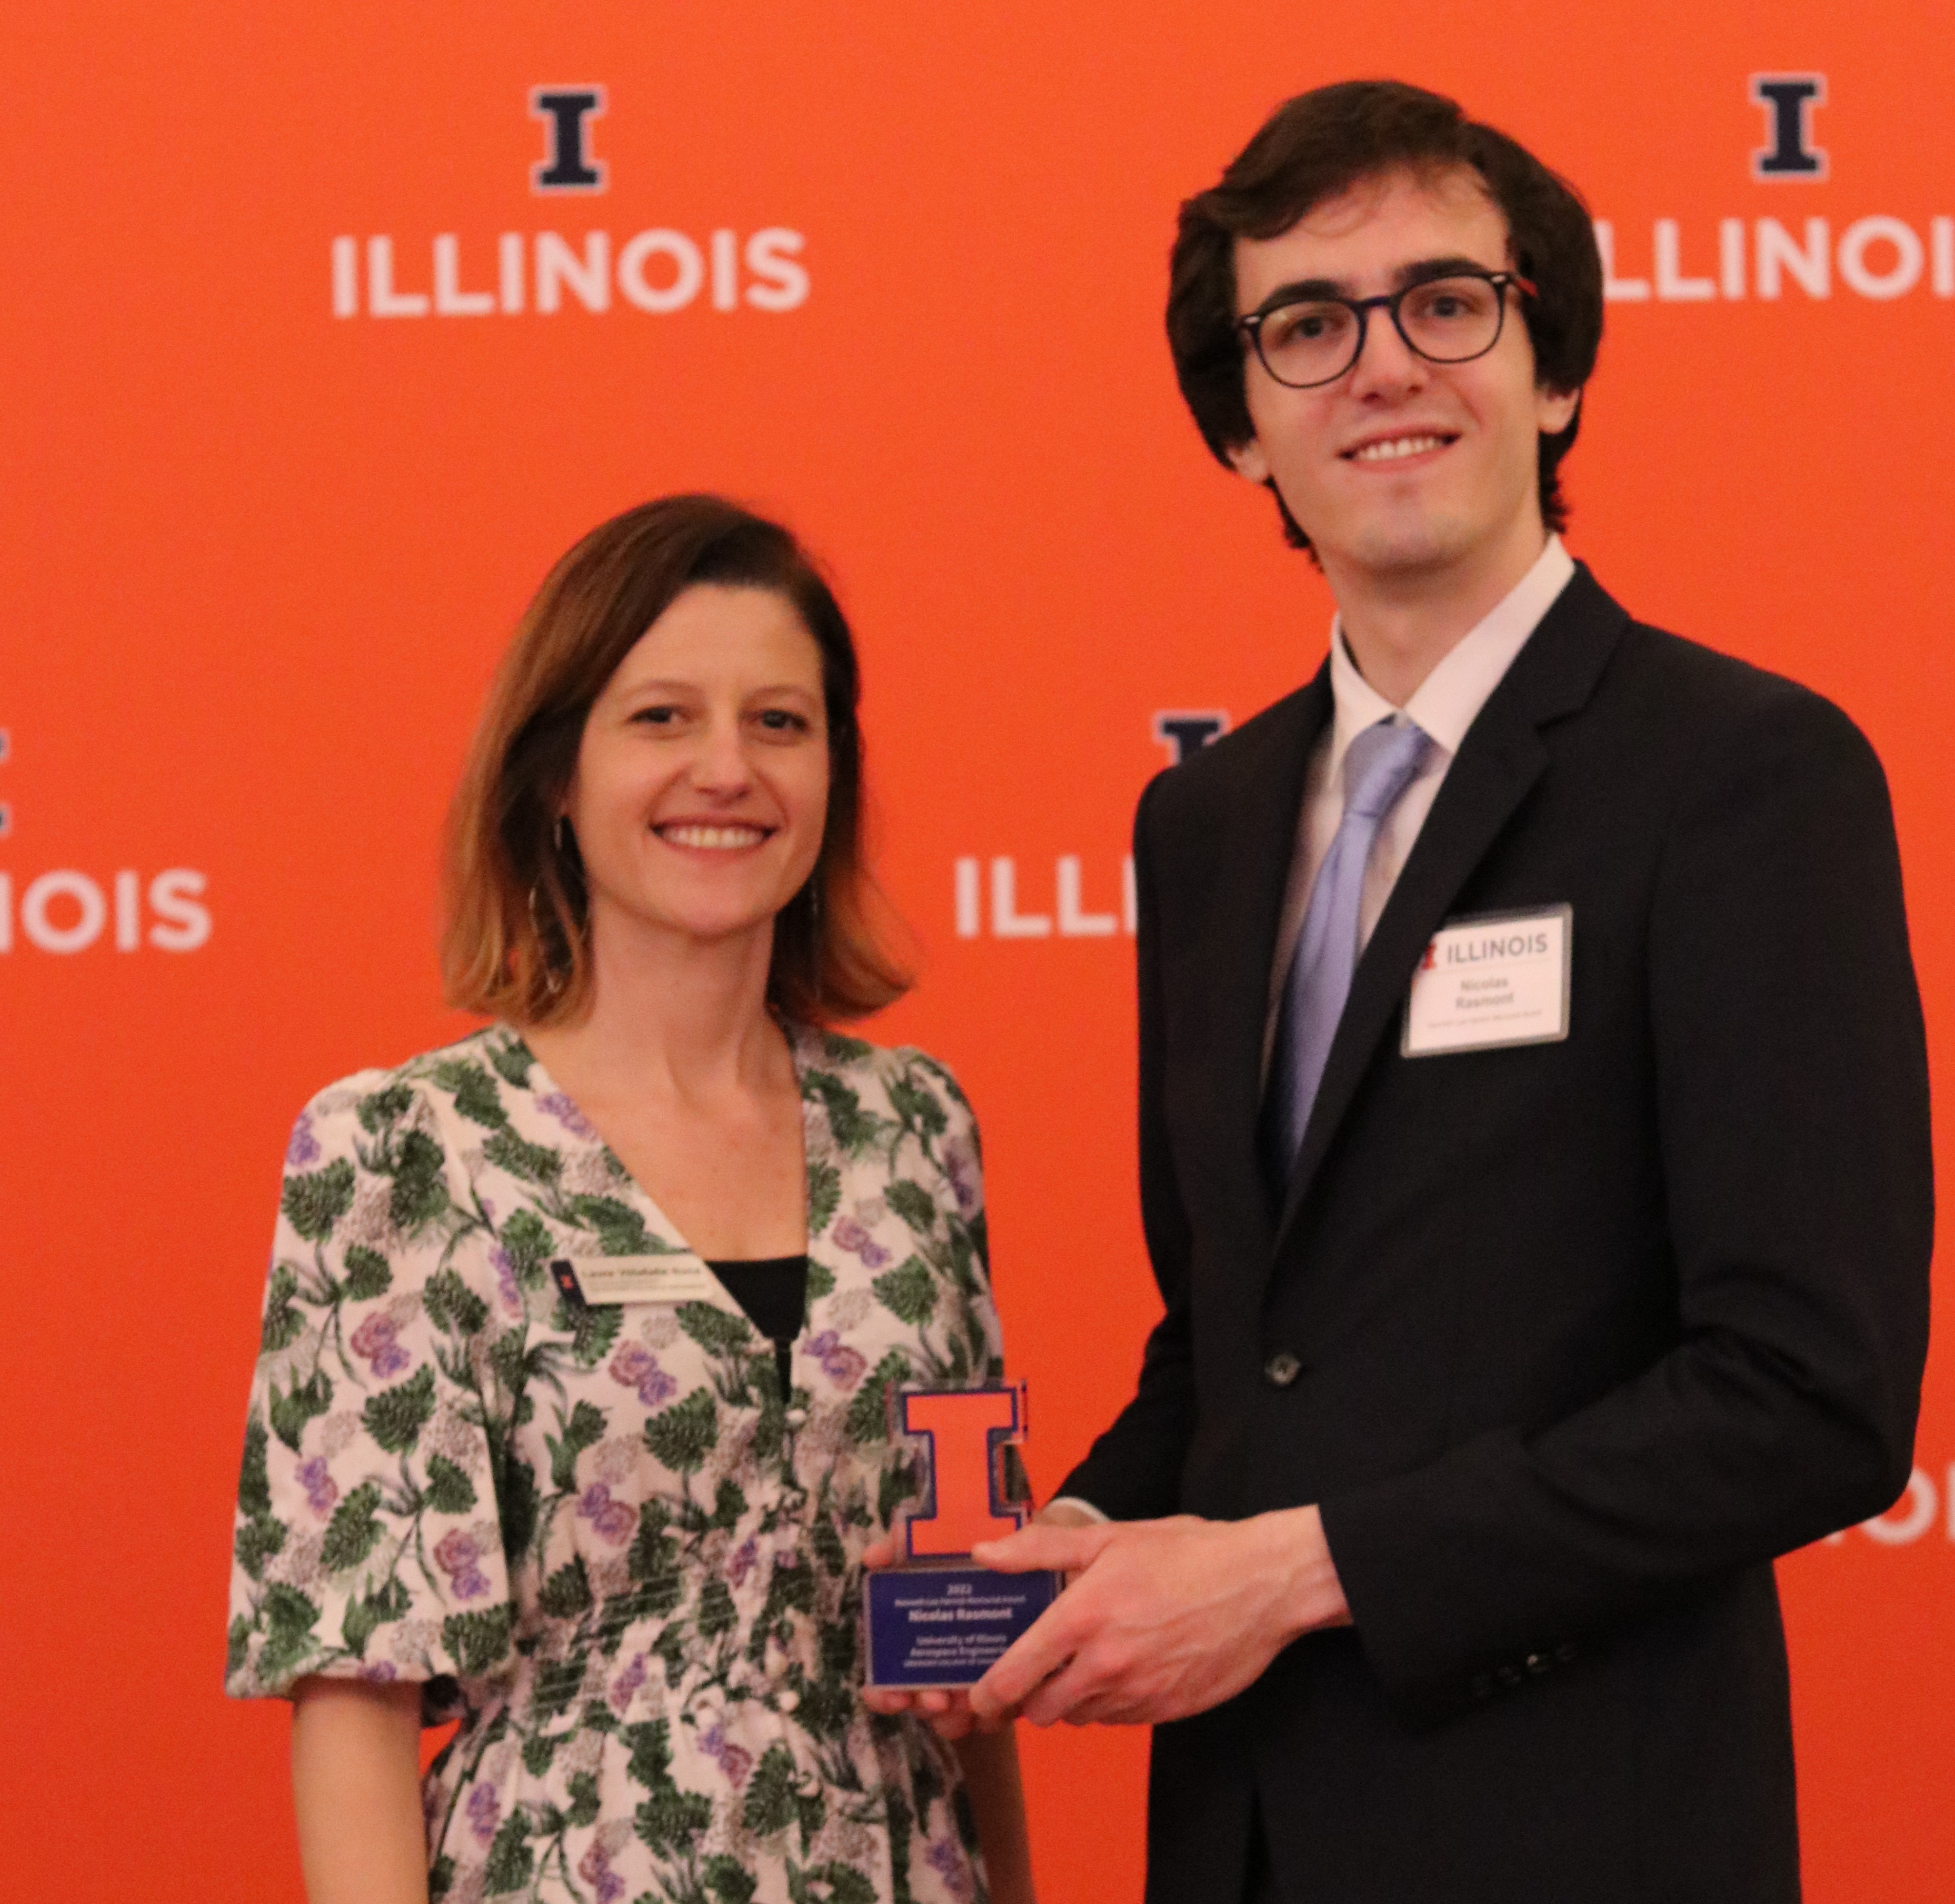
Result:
x=671 y=1015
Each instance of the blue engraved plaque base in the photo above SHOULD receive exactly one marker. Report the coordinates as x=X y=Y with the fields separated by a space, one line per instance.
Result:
x=938 y=1628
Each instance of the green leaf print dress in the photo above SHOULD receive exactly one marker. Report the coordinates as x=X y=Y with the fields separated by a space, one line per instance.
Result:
x=601 y=1537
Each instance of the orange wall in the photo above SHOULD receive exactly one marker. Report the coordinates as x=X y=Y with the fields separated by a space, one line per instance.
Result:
x=262 y=558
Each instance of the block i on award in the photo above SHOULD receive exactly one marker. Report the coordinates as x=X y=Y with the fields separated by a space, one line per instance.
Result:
x=936 y=1620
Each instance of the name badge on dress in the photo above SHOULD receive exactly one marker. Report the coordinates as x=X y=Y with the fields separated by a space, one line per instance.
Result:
x=602 y=1280
x=1497 y=978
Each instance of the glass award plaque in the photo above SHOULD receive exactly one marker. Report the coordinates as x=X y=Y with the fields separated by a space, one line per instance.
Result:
x=936 y=1620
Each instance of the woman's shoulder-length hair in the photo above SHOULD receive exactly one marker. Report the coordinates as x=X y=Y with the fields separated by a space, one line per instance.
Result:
x=514 y=944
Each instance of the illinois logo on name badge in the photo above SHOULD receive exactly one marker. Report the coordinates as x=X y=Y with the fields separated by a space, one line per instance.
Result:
x=1495 y=979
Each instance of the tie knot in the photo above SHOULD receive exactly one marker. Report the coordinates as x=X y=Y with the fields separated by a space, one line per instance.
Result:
x=1379 y=764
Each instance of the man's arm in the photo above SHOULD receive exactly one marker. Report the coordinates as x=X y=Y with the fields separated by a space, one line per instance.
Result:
x=1792 y=1096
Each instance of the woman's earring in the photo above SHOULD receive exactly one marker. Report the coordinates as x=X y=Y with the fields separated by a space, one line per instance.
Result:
x=553 y=978
x=814 y=931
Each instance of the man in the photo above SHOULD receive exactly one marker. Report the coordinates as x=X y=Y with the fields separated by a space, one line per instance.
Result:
x=1534 y=1124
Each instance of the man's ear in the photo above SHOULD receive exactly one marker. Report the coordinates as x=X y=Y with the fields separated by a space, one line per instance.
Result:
x=1248 y=460
x=1555 y=410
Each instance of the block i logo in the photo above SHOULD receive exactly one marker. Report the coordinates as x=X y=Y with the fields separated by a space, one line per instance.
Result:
x=566 y=111
x=1788 y=99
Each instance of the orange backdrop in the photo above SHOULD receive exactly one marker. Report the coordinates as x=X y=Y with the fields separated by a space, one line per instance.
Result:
x=263 y=554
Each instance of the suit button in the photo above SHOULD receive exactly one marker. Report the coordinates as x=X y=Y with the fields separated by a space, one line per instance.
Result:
x=1508 y=1675
x=1566 y=1652
x=1282 y=1369
x=1538 y=1664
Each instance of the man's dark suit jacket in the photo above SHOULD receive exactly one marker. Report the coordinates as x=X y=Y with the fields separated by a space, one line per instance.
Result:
x=1589 y=1331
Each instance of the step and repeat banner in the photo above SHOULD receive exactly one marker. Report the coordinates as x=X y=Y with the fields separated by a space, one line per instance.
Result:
x=326 y=331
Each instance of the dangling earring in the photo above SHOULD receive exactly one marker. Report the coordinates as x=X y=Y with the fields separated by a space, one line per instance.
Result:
x=563 y=841
x=814 y=931
x=553 y=978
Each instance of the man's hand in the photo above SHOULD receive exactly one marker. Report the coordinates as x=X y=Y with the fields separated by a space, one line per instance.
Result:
x=949 y=1714
x=1167 y=1618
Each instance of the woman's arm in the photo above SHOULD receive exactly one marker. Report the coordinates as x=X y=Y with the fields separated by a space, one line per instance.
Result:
x=355 y=1790
x=990 y=1762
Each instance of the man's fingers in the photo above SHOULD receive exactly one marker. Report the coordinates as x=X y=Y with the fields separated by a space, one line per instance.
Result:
x=1055 y=1700
x=1063 y=1550
x=1030 y=1661
x=1078 y=1695
x=883 y=1551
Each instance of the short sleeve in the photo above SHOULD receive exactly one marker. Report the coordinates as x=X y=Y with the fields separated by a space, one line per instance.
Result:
x=368 y=1538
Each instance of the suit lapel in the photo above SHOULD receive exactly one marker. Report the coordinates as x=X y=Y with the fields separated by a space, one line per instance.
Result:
x=1499 y=762
x=1255 y=842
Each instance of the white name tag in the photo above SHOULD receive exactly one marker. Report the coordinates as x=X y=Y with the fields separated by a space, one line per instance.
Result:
x=600 y=1280
x=1499 y=978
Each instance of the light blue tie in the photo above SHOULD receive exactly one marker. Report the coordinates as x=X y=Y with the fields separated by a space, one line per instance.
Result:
x=1379 y=765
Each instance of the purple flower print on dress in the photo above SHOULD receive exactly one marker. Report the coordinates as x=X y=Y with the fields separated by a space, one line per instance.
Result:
x=321 y=1489
x=613 y=1520
x=946 y=1857
x=637 y=1368
x=456 y=1555
x=485 y=1812
x=843 y=1365
x=376 y=1338
x=505 y=1280
x=382 y=1672
x=960 y=1166
x=734 y=1760
x=304 y=1148
x=625 y=1687
x=567 y=1114
x=594 y=1867
x=849 y=1235
x=740 y=1562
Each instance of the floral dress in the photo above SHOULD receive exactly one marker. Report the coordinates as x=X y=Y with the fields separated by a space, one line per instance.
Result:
x=601 y=1537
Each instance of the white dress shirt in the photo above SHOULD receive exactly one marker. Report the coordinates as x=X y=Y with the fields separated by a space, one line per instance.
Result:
x=1445 y=705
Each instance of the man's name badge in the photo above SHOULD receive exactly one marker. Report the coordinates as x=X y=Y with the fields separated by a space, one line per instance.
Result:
x=1499 y=978
x=601 y=1281
x=936 y=1620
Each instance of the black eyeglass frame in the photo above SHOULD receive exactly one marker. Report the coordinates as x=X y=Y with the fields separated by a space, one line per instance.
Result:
x=1251 y=325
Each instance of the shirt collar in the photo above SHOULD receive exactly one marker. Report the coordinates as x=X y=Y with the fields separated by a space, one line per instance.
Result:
x=1448 y=700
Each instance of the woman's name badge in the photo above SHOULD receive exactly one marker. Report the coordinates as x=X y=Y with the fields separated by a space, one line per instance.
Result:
x=600 y=1281
x=936 y=1620
x=1499 y=978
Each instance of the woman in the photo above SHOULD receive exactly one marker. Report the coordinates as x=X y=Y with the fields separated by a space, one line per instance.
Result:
x=620 y=1540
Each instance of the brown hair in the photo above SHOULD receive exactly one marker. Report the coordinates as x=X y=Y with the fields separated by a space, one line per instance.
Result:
x=1321 y=143
x=514 y=944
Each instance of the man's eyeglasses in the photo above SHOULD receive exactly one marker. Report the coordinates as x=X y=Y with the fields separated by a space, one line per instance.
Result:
x=1306 y=341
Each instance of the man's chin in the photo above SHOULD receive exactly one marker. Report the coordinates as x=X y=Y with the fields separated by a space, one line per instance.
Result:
x=1387 y=553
